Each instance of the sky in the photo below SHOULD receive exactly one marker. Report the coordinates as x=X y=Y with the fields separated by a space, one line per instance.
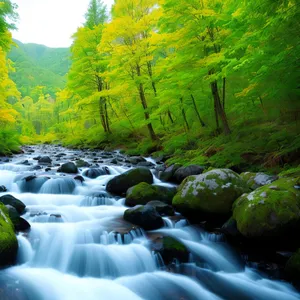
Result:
x=50 y=22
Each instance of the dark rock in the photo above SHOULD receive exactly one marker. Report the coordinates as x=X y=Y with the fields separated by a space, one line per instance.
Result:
x=11 y=200
x=45 y=160
x=172 y=249
x=230 y=228
x=47 y=169
x=121 y=183
x=136 y=159
x=147 y=164
x=29 y=178
x=162 y=208
x=168 y=173
x=292 y=268
x=68 y=168
x=95 y=172
x=24 y=162
x=37 y=157
x=144 y=216
x=183 y=172
x=114 y=161
x=79 y=178
x=35 y=168
x=3 y=189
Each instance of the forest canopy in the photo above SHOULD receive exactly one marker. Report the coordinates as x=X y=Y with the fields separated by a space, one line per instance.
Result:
x=211 y=82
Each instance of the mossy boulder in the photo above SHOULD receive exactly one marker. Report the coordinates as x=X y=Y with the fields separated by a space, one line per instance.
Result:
x=8 y=240
x=270 y=211
x=210 y=193
x=172 y=249
x=292 y=268
x=144 y=216
x=14 y=202
x=121 y=183
x=144 y=192
x=256 y=180
x=19 y=223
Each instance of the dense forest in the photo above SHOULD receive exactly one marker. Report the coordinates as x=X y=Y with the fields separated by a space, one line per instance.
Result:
x=208 y=82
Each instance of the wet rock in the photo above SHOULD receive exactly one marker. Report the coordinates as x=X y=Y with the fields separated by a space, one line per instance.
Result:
x=162 y=208
x=136 y=159
x=11 y=200
x=95 y=172
x=45 y=160
x=36 y=168
x=144 y=216
x=68 y=167
x=168 y=174
x=8 y=240
x=19 y=223
x=210 y=193
x=173 y=250
x=121 y=183
x=3 y=189
x=79 y=178
x=292 y=268
x=37 y=157
x=256 y=180
x=47 y=169
x=144 y=192
x=183 y=172
x=114 y=161
x=270 y=211
x=146 y=164
x=230 y=228
x=24 y=162
x=82 y=163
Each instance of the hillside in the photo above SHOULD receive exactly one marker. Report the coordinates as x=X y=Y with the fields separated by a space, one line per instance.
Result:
x=38 y=65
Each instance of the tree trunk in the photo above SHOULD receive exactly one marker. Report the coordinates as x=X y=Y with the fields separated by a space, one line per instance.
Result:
x=219 y=108
x=224 y=91
x=184 y=115
x=197 y=112
x=170 y=116
x=106 y=118
x=102 y=114
x=152 y=134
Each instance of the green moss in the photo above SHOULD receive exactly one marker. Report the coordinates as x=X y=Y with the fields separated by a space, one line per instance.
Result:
x=144 y=193
x=292 y=268
x=293 y=172
x=8 y=240
x=170 y=243
x=212 y=192
x=269 y=210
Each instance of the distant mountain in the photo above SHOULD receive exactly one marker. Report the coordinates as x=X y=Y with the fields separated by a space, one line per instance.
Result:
x=39 y=65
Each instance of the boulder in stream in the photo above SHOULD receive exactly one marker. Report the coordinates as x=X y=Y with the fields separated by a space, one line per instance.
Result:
x=270 y=211
x=95 y=172
x=8 y=240
x=45 y=160
x=144 y=192
x=121 y=183
x=184 y=172
x=162 y=208
x=144 y=216
x=68 y=167
x=211 y=193
x=14 y=202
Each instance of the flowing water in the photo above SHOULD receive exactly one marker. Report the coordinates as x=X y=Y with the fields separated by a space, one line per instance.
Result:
x=79 y=247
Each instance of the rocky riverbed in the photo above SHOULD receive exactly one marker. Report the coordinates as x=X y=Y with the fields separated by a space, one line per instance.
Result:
x=102 y=225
